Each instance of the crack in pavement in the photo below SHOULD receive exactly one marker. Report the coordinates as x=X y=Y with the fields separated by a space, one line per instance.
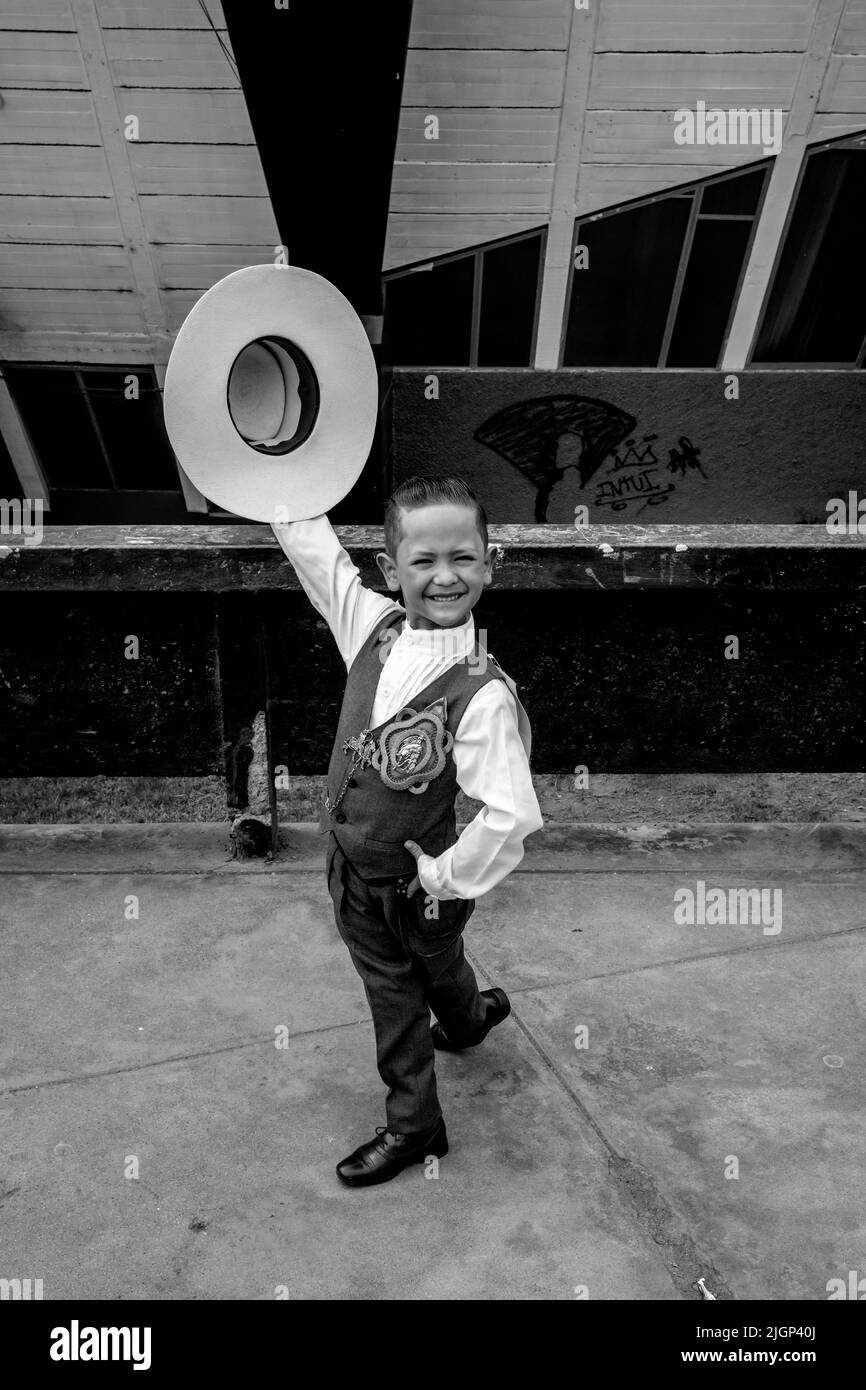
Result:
x=652 y=1213
x=169 y=1061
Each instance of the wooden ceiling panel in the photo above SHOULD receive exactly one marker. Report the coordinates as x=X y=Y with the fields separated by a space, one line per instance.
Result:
x=665 y=81
x=832 y=125
x=705 y=25
x=521 y=134
x=89 y=226
x=211 y=221
x=844 y=86
x=167 y=58
x=56 y=171
x=48 y=118
x=41 y=60
x=65 y=267
x=158 y=14
x=55 y=15
x=199 y=267
x=646 y=137
x=67 y=220
x=469 y=188
x=199 y=117
x=851 y=35
x=89 y=311
x=217 y=170
x=437 y=78
x=490 y=24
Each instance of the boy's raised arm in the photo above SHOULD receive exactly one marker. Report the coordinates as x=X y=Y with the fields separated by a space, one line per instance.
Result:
x=332 y=582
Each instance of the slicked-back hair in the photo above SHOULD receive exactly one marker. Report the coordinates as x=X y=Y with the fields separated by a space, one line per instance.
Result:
x=427 y=491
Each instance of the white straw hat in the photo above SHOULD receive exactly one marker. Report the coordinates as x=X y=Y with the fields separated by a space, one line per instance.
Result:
x=271 y=394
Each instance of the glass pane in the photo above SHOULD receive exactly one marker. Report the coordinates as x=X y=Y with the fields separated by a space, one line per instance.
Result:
x=56 y=417
x=619 y=305
x=508 y=292
x=715 y=262
x=428 y=316
x=739 y=195
x=133 y=430
x=10 y=487
x=817 y=307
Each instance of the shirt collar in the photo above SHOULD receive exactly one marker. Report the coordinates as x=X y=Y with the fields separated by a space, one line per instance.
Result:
x=440 y=641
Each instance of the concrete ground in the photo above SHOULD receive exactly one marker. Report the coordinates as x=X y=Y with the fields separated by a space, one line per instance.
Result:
x=711 y=1126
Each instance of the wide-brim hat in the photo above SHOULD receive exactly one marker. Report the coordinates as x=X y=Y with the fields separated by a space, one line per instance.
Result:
x=271 y=394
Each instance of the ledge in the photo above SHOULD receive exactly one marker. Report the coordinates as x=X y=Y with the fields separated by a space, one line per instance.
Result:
x=231 y=558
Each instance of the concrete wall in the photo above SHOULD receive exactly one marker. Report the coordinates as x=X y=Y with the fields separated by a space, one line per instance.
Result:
x=791 y=441
x=618 y=681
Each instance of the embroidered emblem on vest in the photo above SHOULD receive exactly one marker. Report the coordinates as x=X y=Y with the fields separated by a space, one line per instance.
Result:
x=412 y=749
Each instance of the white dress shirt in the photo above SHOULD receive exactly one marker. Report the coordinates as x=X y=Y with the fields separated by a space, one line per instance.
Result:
x=492 y=742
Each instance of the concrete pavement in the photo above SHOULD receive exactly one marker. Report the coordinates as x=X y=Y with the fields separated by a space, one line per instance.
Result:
x=186 y=1052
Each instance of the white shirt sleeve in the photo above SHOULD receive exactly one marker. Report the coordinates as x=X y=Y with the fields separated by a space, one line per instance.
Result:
x=492 y=767
x=332 y=583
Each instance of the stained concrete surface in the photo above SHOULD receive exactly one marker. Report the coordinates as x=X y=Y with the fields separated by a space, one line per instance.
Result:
x=150 y=1043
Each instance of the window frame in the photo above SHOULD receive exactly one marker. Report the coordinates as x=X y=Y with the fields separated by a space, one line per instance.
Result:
x=476 y=254
x=76 y=370
x=693 y=190
x=856 y=142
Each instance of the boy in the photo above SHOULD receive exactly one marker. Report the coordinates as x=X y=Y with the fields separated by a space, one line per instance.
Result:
x=425 y=711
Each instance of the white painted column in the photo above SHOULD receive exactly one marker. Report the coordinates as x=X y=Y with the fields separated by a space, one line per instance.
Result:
x=783 y=182
x=554 y=284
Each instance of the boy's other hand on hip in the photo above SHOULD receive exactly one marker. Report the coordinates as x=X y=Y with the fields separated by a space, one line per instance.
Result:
x=417 y=851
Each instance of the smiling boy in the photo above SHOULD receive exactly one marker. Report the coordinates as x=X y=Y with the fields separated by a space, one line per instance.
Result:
x=426 y=712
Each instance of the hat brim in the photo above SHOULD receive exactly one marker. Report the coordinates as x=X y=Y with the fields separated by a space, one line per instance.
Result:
x=270 y=301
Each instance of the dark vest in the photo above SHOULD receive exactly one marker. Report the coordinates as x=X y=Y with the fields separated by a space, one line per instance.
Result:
x=373 y=818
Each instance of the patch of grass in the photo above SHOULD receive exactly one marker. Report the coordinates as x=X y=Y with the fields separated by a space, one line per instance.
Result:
x=66 y=800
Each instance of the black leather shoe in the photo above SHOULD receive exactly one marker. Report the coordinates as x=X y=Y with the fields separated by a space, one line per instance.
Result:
x=498 y=1007
x=382 y=1158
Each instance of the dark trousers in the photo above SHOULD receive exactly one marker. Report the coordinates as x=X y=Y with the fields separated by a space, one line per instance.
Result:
x=409 y=955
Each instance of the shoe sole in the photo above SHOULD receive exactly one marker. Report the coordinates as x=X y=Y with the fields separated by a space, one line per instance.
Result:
x=438 y=1150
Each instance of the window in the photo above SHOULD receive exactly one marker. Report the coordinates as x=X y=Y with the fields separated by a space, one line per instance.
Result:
x=473 y=309
x=816 y=307
x=661 y=276
x=10 y=484
x=101 y=442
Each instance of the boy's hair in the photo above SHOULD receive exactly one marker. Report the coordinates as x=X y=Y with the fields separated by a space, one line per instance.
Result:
x=426 y=492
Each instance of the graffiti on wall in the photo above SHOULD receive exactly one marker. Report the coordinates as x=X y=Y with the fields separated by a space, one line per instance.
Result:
x=546 y=436
x=634 y=475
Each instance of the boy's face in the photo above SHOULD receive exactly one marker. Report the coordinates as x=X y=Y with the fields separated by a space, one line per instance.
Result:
x=441 y=553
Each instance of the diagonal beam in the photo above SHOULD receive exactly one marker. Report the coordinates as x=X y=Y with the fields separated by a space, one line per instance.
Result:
x=783 y=182
x=322 y=85
x=116 y=147
x=554 y=285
